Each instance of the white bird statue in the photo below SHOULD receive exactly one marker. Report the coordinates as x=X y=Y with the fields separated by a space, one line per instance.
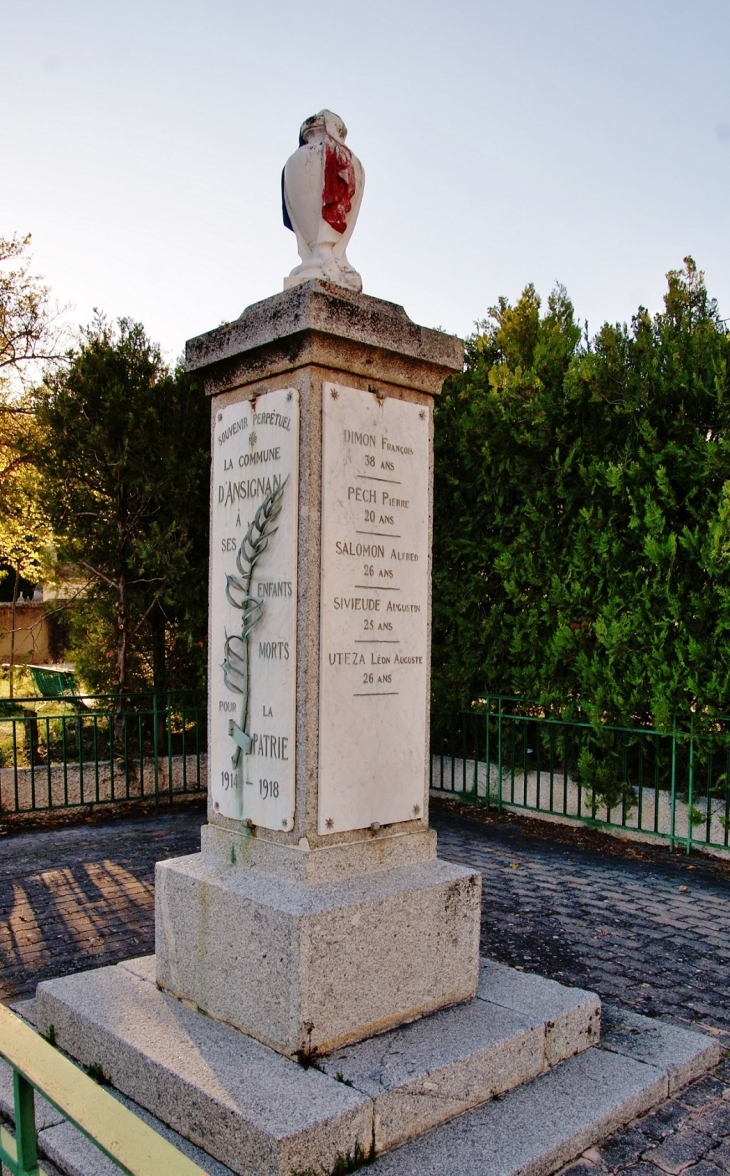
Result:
x=321 y=186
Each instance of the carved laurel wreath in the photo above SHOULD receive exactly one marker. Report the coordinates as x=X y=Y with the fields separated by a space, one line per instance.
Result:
x=238 y=591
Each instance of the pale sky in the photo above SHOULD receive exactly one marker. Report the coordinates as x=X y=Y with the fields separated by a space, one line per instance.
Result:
x=581 y=141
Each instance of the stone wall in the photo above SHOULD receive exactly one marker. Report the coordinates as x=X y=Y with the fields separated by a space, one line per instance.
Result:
x=32 y=632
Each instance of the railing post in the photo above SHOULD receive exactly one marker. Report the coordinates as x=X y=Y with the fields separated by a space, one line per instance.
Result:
x=168 y=720
x=155 y=748
x=673 y=790
x=80 y=744
x=487 y=763
x=691 y=789
x=15 y=764
x=499 y=754
x=25 y=1133
x=197 y=744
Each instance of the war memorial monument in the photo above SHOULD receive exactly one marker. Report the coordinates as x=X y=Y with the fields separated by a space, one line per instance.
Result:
x=316 y=1000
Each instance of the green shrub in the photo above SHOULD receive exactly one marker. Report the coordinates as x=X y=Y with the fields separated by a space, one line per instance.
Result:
x=582 y=511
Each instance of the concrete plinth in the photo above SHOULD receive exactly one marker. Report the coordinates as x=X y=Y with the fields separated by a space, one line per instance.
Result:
x=306 y=969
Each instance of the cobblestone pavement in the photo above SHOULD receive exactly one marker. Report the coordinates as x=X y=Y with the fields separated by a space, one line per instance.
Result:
x=82 y=897
x=637 y=925
x=640 y=927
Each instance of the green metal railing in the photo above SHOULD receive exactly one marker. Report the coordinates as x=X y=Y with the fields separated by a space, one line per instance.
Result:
x=133 y=1146
x=506 y=753
x=57 y=755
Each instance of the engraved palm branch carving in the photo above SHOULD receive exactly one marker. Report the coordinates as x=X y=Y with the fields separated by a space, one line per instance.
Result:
x=238 y=591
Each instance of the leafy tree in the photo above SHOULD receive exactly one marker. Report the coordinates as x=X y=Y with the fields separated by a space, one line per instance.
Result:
x=31 y=334
x=582 y=549
x=124 y=461
x=24 y=543
x=31 y=337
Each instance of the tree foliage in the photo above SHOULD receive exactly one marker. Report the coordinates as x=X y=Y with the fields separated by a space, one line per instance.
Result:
x=30 y=330
x=124 y=461
x=582 y=518
x=32 y=338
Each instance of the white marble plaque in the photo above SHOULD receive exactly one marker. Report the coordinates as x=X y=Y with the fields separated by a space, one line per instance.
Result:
x=374 y=610
x=253 y=599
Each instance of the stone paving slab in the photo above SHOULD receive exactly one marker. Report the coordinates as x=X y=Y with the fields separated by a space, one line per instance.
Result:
x=529 y=1134
x=526 y=1133
x=422 y=1074
x=592 y=917
x=641 y=928
x=667 y=1046
x=82 y=897
x=572 y=1015
x=261 y=1114
x=425 y=1073
x=689 y=1134
x=533 y=1130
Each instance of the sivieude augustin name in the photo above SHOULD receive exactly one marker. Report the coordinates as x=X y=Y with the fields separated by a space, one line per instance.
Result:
x=371 y=604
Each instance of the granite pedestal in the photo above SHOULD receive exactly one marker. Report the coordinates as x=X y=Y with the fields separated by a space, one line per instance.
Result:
x=302 y=938
x=306 y=968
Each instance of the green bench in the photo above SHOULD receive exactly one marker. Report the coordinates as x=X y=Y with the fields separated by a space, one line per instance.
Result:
x=58 y=684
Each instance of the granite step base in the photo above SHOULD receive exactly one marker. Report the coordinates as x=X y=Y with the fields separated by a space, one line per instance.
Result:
x=537 y=1129
x=532 y=1131
x=258 y=1112
x=424 y=1094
